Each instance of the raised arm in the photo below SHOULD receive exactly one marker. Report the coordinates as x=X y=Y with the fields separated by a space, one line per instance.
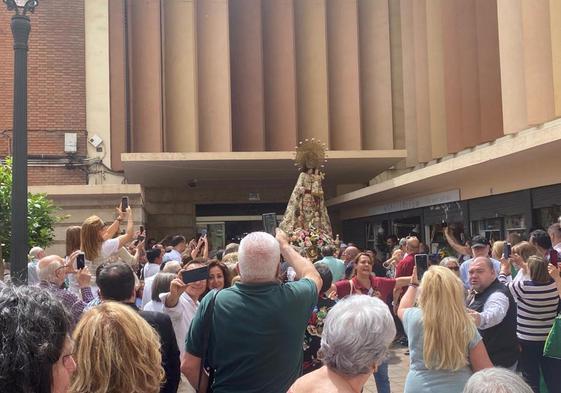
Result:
x=112 y=229
x=408 y=300
x=129 y=234
x=303 y=267
x=460 y=248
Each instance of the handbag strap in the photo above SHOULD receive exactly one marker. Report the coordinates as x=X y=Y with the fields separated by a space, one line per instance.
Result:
x=207 y=327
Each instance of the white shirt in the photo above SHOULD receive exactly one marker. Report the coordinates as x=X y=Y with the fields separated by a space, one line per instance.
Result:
x=181 y=316
x=494 y=310
x=147 y=293
x=173 y=255
x=32 y=277
x=154 y=306
x=150 y=269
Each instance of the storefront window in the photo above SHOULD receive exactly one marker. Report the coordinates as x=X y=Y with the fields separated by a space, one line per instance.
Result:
x=490 y=228
x=516 y=224
x=546 y=216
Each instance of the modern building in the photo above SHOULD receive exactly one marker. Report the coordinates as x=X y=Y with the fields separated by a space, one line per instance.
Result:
x=431 y=110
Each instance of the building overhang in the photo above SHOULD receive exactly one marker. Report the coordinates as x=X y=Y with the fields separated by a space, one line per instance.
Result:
x=527 y=159
x=177 y=169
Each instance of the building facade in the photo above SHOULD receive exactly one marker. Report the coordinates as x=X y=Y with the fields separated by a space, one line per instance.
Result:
x=194 y=107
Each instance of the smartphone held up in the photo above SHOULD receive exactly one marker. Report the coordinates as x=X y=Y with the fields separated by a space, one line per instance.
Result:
x=189 y=276
x=422 y=265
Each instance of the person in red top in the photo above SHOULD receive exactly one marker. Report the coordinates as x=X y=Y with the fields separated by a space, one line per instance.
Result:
x=406 y=265
x=365 y=283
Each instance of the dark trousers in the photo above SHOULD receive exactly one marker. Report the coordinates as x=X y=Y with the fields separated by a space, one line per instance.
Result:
x=532 y=359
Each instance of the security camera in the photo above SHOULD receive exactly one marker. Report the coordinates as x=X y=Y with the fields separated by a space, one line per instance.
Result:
x=192 y=183
x=95 y=140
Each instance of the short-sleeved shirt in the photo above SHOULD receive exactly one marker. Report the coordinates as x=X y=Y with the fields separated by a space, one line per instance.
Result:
x=420 y=379
x=257 y=334
x=336 y=266
x=379 y=286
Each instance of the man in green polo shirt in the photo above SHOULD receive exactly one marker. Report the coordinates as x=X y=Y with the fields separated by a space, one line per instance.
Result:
x=336 y=266
x=258 y=325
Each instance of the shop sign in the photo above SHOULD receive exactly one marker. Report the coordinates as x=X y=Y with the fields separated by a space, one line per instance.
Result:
x=424 y=201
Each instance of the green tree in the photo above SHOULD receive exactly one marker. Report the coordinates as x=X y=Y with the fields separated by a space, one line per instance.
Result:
x=41 y=214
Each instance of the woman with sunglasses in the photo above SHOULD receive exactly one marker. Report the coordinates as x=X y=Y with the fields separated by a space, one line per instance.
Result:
x=452 y=264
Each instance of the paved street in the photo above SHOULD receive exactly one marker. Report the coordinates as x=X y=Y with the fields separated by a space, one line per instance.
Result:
x=399 y=366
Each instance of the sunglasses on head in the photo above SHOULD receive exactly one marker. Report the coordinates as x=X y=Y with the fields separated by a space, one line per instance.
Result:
x=456 y=268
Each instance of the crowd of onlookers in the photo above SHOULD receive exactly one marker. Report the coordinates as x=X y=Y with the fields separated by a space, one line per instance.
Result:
x=125 y=313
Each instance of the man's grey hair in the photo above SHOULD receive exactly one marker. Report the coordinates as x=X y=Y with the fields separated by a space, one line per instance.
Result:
x=47 y=267
x=496 y=380
x=447 y=260
x=356 y=335
x=258 y=257
x=171 y=267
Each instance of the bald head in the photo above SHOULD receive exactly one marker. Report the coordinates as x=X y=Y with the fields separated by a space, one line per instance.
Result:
x=350 y=253
x=172 y=267
x=49 y=267
x=412 y=245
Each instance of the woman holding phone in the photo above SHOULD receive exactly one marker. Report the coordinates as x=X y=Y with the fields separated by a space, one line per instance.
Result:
x=444 y=351
x=97 y=241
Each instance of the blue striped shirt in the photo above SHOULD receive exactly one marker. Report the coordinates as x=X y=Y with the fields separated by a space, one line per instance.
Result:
x=537 y=305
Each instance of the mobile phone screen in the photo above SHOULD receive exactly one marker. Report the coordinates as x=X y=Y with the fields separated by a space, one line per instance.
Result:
x=270 y=223
x=124 y=203
x=188 y=276
x=422 y=264
x=80 y=261
x=507 y=250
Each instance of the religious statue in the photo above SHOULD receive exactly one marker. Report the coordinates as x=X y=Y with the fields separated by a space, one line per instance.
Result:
x=306 y=220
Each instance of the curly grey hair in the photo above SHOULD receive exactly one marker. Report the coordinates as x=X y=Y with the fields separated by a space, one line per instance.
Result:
x=356 y=335
x=496 y=380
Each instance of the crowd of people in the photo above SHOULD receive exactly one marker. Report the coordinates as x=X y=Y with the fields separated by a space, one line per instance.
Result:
x=143 y=316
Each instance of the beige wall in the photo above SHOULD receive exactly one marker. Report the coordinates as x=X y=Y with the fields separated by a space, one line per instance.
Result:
x=432 y=76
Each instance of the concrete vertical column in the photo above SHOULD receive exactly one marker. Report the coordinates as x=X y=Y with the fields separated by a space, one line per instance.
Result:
x=437 y=106
x=98 y=77
x=279 y=75
x=538 y=61
x=452 y=85
x=213 y=54
x=489 y=70
x=311 y=69
x=555 y=25
x=117 y=82
x=146 y=61
x=343 y=72
x=409 y=96
x=511 y=50
x=246 y=57
x=469 y=77
x=375 y=75
x=424 y=147
x=180 y=76
x=396 y=61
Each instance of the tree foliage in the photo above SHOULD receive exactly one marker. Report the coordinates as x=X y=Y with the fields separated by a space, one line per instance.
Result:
x=41 y=214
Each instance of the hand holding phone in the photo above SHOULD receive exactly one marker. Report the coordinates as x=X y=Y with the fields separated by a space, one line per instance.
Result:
x=189 y=276
x=422 y=265
x=80 y=261
x=124 y=203
x=507 y=250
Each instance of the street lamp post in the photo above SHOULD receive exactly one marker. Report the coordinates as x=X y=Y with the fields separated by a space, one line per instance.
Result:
x=21 y=26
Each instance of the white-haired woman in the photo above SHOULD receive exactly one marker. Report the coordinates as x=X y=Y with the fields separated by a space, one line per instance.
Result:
x=496 y=380
x=355 y=339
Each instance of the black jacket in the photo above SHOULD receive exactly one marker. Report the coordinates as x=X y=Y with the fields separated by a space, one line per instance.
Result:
x=170 y=352
x=500 y=340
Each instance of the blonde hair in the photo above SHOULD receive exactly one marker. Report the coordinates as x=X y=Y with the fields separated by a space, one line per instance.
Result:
x=447 y=326
x=90 y=239
x=525 y=250
x=116 y=351
x=73 y=239
x=498 y=249
x=538 y=269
